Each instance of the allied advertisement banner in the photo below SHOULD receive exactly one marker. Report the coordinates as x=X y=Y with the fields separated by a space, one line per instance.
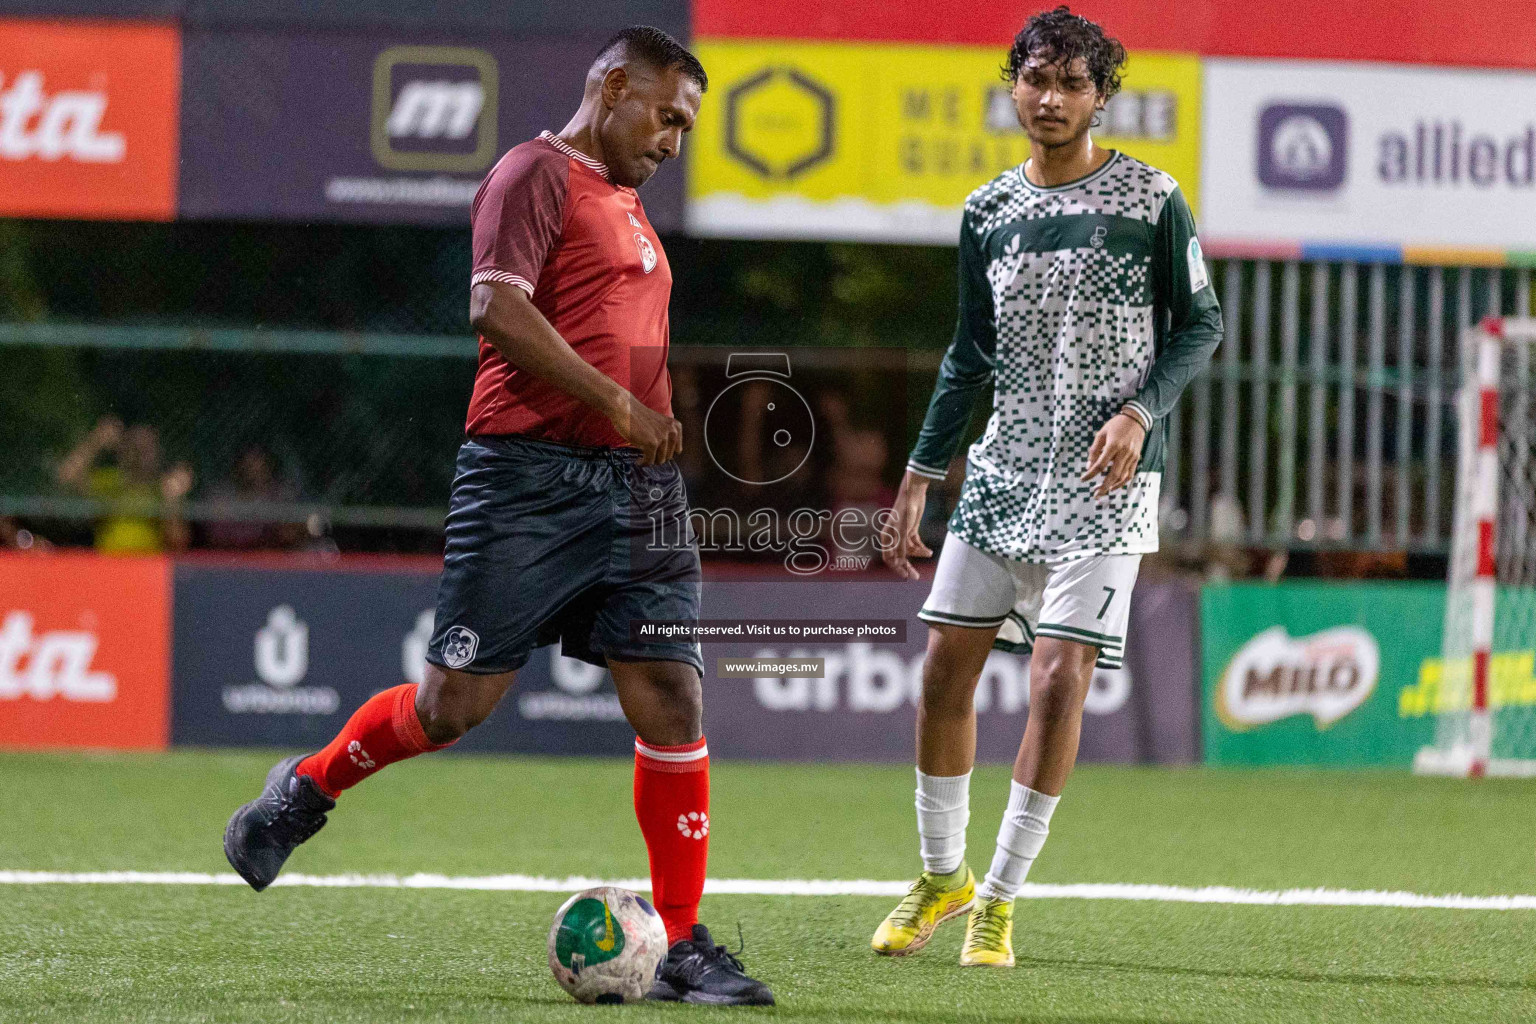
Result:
x=88 y=120
x=373 y=127
x=883 y=142
x=275 y=657
x=84 y=651
x=1320 y=673
x=1361 y=156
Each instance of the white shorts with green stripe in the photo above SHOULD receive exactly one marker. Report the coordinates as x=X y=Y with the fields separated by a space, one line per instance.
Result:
x=1086 y=600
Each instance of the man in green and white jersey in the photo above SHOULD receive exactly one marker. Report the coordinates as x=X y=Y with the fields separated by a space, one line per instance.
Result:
x=1085 y=303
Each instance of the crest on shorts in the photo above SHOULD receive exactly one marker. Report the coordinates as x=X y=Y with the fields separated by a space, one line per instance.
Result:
x=647 y=252
x=459 y=646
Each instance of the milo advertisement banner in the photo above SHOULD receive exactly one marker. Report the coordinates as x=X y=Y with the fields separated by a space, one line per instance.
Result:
x=1319 y=673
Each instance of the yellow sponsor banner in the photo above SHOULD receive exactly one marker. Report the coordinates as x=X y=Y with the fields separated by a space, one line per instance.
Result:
x=884 y=141
x=1445 y=686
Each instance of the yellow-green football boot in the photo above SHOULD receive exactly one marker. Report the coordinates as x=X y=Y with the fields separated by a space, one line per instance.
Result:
x=989 y=934
x=932 y=900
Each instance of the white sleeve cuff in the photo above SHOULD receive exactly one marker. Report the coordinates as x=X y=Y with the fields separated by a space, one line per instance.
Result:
x=502 y=277
x=918 y=469
x=1138 y=410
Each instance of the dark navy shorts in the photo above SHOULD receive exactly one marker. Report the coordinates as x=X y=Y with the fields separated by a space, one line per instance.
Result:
x=549 y=542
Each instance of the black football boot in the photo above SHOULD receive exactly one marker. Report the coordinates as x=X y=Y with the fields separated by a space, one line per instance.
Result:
x=698 y=971
x=261 y=835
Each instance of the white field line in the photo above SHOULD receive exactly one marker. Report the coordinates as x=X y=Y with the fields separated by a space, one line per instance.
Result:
x=800 y=887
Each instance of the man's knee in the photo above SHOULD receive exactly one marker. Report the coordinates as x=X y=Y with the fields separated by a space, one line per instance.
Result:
x=663 y=700
x=956 y=655
x=1059 y=677
x=681 y=704
x=451 y=703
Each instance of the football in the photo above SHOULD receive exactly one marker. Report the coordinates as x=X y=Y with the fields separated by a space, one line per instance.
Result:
x=605 y=946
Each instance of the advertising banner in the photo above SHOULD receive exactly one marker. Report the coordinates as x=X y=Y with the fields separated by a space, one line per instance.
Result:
x=1320 y=673
x=1426 y=32
x=84 y=651
x=373 y=127
x=282 y=657
x=521 y=19
x=883 y=142
x=1341 y=158
x=88 y=120
x=865 y=706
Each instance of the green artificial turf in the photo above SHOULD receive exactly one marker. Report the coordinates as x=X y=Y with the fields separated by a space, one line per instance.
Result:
x=161 y=953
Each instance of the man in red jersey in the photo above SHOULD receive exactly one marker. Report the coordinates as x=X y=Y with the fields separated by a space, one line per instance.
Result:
x=567 y=464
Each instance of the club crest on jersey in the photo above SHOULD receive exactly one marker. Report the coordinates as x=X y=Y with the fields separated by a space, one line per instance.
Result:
x=459 y=647
x=1196 y=259
x=647 y=252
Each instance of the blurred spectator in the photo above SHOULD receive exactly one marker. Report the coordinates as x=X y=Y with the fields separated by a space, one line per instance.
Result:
x=834 y=421
x=255 y=482
x=1225 y=556
x=143 y=503
x=1341 y=563
x=1373 y=558
x=856 y=481
x=15 y=536
x=856 y=478
x=762 y=458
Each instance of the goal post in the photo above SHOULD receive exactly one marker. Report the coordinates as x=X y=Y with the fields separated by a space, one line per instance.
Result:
x=1485 y=705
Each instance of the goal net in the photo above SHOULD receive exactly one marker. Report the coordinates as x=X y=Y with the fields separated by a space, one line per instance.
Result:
x=1486 y=703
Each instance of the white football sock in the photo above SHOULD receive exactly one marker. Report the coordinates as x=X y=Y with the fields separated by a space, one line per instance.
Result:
x=1025 y=826
x=943 y=810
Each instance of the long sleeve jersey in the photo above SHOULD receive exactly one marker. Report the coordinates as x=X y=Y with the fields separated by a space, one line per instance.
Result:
x=1076 y=301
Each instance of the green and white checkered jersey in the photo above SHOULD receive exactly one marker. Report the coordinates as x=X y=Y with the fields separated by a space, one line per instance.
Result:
x=1076 y=302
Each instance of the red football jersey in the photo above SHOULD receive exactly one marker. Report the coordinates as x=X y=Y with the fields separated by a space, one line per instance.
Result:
x=548 y=220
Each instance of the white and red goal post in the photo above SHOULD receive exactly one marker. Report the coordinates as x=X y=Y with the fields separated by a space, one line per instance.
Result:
x=1485 y=704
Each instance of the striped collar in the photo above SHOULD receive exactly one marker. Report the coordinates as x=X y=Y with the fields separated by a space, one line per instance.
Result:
x=1075 y=182
x=574 y=153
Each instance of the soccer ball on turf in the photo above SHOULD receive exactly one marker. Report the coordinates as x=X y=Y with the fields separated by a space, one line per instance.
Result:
x=606 y=945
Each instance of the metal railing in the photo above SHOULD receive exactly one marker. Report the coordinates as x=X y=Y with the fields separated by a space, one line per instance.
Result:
x=1327 y=415
x=1327 y=418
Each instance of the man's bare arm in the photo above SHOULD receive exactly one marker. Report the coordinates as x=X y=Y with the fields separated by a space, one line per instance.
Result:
x=506 y=317
x=73 y=472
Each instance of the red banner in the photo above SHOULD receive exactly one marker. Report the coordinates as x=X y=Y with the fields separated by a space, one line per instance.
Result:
x=1428 y=32
x=88 y=120
x=84 y=651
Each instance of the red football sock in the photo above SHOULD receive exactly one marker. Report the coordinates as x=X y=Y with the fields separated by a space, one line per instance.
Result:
x=672 y=803
x=384 y=730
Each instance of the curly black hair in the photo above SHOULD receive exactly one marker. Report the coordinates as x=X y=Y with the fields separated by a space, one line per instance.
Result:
x=1060 y=36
